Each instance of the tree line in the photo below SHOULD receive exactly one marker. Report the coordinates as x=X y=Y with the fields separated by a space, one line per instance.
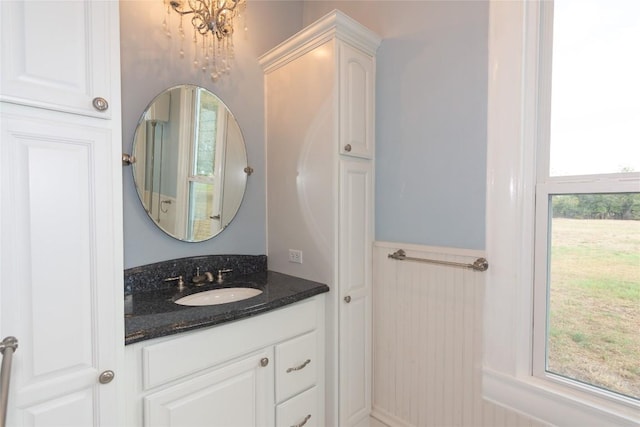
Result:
x=597 y=206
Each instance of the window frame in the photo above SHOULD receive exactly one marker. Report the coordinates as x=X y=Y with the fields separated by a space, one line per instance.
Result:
x=518 y=93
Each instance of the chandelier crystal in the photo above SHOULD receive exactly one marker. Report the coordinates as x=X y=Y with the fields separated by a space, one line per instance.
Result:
x=213 y=25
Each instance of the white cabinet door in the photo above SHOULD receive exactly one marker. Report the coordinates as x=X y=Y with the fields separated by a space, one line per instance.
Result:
x=356 y=234
x=61 y=266
x=357 y=108
x=59 y=55
x=238 y=395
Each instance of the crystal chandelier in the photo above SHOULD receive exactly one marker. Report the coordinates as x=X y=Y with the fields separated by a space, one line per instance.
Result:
x=213 y=23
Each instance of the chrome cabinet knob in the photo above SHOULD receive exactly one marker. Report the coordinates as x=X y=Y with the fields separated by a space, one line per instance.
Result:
x=106 y=377
x=100 y=104
x=264 y=361
x=347 y=299
x=347 y=148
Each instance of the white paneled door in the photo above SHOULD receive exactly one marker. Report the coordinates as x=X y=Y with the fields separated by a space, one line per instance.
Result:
x=60 y=230
x=357 y=107
x=61 y=282
x=356 y=224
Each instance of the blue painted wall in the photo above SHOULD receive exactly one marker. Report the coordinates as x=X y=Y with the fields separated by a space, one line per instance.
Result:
x=431 y=115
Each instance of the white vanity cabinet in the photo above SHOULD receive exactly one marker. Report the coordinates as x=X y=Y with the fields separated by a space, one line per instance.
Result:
x=319 y=92
x=61 y=267
x=267 y=370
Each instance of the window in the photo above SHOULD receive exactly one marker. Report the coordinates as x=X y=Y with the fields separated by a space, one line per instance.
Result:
x=587 y=277
x=204 y=177
x=563 y=187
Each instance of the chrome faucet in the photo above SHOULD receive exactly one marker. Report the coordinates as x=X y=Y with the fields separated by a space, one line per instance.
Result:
x=221 y=272
x=200 y=279
x=181 y=286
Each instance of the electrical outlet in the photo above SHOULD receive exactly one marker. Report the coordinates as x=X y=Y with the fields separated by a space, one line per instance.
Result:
x=295 y=256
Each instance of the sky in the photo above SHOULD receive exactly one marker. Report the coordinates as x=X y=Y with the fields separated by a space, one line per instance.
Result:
x=595 y=107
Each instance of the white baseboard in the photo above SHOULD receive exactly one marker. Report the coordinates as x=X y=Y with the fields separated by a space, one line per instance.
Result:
x=387 y=419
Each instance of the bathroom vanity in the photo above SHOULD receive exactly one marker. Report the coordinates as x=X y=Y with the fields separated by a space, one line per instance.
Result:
x=257 y=361
x=266 y=370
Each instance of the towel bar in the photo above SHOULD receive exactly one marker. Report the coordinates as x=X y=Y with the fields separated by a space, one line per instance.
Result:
x=481 y=264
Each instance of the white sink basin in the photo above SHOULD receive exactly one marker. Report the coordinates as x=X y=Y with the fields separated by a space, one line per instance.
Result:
x=218 y=296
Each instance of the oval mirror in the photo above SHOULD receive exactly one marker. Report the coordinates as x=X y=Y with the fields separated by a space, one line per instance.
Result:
x=190 y=167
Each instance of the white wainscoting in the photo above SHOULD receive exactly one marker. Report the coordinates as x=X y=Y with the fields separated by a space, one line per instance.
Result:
x=427 y=337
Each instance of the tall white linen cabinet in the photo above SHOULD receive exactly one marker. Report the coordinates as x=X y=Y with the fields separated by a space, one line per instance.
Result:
x=61 y=273
x=319 y=94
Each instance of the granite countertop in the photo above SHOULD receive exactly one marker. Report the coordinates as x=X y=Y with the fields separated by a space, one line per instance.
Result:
x=152 y=314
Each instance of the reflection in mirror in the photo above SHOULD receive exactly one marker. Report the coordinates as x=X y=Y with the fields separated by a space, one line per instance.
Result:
x=190 y=162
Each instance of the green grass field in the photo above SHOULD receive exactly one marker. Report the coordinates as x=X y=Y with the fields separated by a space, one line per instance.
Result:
x=594 y=326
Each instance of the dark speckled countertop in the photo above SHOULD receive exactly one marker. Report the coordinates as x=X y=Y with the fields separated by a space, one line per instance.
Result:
x=153 y=313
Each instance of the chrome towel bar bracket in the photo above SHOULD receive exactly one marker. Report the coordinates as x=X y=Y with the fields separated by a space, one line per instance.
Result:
x=481 y=264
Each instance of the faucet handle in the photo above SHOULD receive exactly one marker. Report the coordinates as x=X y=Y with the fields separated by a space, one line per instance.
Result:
x=180 y=280
x=220 y=272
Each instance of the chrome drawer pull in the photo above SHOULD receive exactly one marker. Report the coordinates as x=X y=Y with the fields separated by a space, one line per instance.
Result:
x=303 y=422
x=297 y=368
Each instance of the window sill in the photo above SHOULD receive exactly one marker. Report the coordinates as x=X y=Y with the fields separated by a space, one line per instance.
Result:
x=553 y=404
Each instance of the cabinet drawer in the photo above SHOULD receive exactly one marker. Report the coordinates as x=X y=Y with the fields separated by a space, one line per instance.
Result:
x=296 y=365
x=173 y=358
x=301 y=410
